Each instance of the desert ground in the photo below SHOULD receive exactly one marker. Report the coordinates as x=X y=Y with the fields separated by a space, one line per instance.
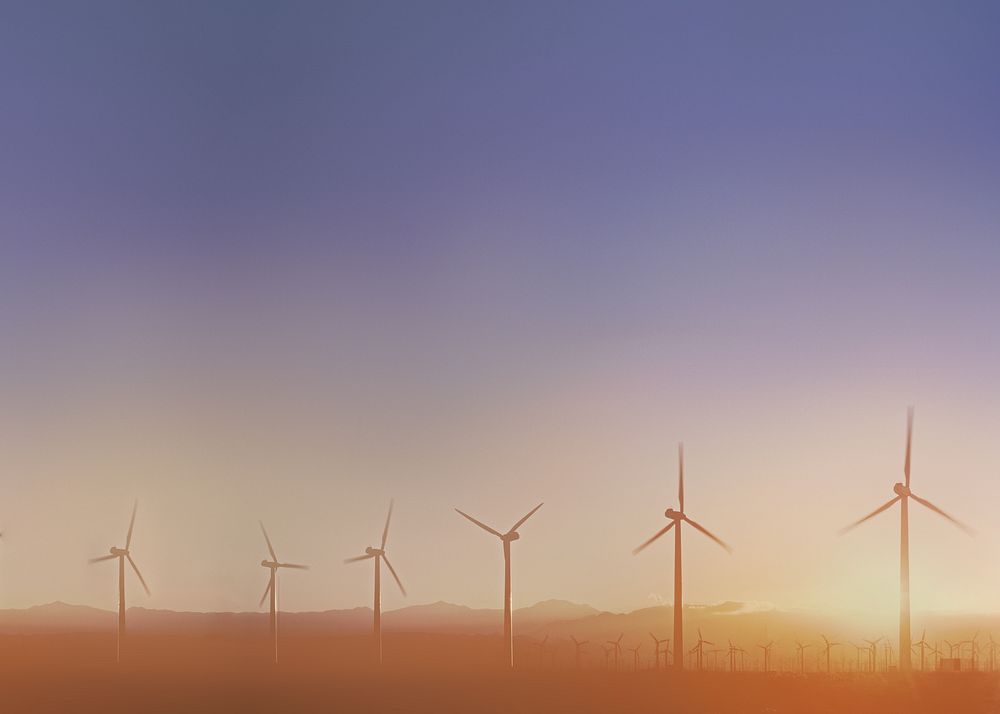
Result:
x=185 y=673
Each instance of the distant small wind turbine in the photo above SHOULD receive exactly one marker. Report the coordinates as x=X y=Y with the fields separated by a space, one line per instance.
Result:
x=578 y=647
x=903 y=496
x=541 y=649
x=923 y=644
x=827 y=646
x=657 y=642
x=677 y=518
x=379 y=555
x=124 y=554
x=873 y=653
x=767 y=655
x=992 y=649
x=635 y=656
x=617 y=646
x=699 y=650
x=505 y=538
x=271 y=590
x=802 y=656
x=607 y=656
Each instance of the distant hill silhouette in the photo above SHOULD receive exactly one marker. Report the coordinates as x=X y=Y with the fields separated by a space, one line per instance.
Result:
x=747 y=624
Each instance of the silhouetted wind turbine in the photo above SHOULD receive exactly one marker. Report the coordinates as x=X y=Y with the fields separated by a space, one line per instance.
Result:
x=506 y=539
x=699 y=649
x=617 y=646
x=923 y=645
x=767 y=655
x=635 y=656
x=659 y=642
x=827 y=646
x=903 y=496
x=271 y=590
x=578 y=646
x=802 y=656
x=124 y=554
x=873 y=653
x=607 y=656
x=676 y=519
x=541 y=649
x=380 y=556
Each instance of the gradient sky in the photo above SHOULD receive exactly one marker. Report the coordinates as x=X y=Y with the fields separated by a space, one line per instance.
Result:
x=288 y=260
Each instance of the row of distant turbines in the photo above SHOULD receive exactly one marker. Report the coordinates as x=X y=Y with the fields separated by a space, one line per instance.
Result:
x=677 y=519
x=872 y=656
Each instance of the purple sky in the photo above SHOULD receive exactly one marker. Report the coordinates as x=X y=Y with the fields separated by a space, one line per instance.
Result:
x=262 y=260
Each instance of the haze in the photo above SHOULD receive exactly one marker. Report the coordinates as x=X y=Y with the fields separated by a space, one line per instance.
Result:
x=285 y=263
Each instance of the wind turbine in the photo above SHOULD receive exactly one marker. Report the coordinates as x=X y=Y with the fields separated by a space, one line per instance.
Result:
x=271 y=590
x=827 y=646
x=732 y=651
x=505 y=538
x=657 y=642
x=607 y=656
x=858 y=650
x=635 y=656
x=617 y=646
x=699 y=649
x=767 y=655
x=541 y=649
x=903 y=496
x=578 y=646
x=923 y=645
x=123 y=554
x=676 y=519
x=380 y=556
x=802 y=656
x=873 y=652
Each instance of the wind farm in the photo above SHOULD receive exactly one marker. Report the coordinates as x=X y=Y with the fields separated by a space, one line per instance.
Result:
x=520 y=357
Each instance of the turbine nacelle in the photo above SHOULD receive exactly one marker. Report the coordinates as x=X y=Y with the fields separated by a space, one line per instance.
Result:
x=270 y=564
x=901 y=489
x=374 y=551
x=673 y=515
x=118 y=552
x=508 y=537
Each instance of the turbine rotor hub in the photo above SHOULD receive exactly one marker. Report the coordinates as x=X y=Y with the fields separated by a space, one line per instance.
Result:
x=508 y=537
x=374 y=551
x=119 y=551
x=901 y=490
x=673 y=515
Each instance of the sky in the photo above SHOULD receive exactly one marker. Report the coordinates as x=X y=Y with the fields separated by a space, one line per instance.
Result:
x=287 y=261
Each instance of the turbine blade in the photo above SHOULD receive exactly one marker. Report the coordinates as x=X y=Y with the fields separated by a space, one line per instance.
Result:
x=709 y=534
x=521 y=522
x=360 y=557
x=270 y=548
x=909 y=443
x=295 y=566
x=141 y=579
x=385 y=531
x=680 y=482
x=482 y=525
x=927 y=504
x=393 y=571
x=635 y=551
x=131 y=525
x=267 y=591
x=883 y=507
x=103 y=557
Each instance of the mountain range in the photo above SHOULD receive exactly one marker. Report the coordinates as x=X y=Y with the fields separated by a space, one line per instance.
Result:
x=744 y=623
